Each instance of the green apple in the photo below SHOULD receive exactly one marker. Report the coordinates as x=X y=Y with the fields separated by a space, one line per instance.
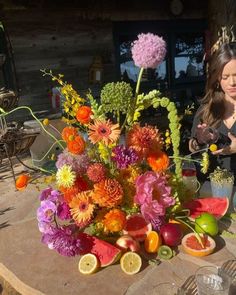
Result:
x=206 y=223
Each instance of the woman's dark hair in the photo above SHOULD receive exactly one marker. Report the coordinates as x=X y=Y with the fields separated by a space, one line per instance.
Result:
x=213 y=108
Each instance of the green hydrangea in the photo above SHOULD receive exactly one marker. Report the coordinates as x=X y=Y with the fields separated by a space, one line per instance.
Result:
x=116 y=97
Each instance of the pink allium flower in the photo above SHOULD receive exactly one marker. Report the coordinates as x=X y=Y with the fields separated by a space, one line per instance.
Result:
x=148 y=51
x=153 y=195
x=96 y=172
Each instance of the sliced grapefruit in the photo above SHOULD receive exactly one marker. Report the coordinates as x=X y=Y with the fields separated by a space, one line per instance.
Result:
x=215 y=206
x=137 y=227
x=192 y=246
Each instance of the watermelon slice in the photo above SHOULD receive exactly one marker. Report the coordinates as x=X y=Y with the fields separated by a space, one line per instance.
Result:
x=137 y=227
x=215 y=206
x=105 y=252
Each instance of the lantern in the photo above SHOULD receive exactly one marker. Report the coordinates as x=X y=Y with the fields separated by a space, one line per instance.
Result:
x=96 y=70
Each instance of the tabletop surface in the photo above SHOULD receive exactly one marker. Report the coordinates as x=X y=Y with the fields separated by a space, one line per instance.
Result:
x=31 y=268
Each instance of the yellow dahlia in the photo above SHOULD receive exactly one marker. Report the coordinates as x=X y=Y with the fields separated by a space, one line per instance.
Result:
x=144 y=139
x=107 y=193
x=82 y=208
x=114 y=221
x=103 y=131
x=65 y=176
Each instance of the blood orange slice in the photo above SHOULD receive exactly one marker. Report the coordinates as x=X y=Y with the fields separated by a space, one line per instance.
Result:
x=137 y=227
x=192 y=246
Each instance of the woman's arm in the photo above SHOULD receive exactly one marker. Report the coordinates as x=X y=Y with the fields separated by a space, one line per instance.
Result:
x=229 y=149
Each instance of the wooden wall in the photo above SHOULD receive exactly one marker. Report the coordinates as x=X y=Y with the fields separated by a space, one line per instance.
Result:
x=66 y=40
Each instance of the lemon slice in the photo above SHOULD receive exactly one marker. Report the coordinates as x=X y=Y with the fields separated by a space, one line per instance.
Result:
x=88 y=264
x=130 y=263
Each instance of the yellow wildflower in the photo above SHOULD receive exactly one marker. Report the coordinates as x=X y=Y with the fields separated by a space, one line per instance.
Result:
x=213 y=147
x=65 y=176
x=205 y=162
x=46 y=122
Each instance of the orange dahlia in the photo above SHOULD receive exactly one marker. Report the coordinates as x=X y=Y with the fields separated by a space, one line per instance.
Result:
x=107 y=193
x=82 y=208
x=83 y=114
x=68 y=133
x=114 y=220
x=144 y=139
x=96 y=172
x=79 y=186
x=76 y=146
x=158 y=161
x=103 y=131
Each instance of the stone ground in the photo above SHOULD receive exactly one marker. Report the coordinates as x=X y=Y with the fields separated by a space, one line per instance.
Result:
x=28 y=267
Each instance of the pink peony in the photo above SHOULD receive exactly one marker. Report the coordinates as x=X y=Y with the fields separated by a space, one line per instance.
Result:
x=153 y=194
x=148 y=51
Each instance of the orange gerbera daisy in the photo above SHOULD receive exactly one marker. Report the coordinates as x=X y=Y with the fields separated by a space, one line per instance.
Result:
x=76 y=146
x=114 y=221
x=22 y=182
x=144 y=139
x=79 y=186
x=68 y=133
x=82 y=208
x=83 y=114
x=107 y=193
x=103 y=131
x=158 y=161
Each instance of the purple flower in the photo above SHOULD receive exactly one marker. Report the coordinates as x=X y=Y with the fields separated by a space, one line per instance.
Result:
x=51 y=195
x=148 y=51
x=157 y=222
x=45 y=227
x=78 y=163
x=63 y=241
x=46 y=211
x=63 y=211
x=124 y=156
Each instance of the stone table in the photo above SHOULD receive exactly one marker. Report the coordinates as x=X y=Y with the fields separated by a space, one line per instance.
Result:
x=28 y=267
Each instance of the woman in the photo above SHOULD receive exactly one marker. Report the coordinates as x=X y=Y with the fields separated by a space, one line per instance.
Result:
x=218 y=109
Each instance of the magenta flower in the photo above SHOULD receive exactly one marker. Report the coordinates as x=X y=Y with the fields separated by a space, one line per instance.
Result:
x=63 y=240
x=46 y=211
x=51 y=195
x=63 y=211
x=153 y=195
x=46 y=227
x=124 y=156
x=148 y=51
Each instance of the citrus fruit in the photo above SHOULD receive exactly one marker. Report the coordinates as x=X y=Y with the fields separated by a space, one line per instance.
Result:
x=206 y=223
x=165 y=252
x=192 y=246
x=88 y=264
x=152 y=242
x=137 y=227
x=130 y=263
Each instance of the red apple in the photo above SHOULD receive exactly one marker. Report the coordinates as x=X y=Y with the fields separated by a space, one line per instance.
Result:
x=171 y=234
x=127 y=242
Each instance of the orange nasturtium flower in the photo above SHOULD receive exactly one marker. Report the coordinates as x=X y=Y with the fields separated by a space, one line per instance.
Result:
x=158 y=161
x=83 y=114
x=76 y=146
x=22 y=182
x=69 y=133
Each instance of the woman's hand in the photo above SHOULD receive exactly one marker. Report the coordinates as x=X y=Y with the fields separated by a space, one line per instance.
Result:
x=229 y=149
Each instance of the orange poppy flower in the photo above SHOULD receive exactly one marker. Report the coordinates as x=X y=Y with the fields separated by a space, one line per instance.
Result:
x=83 y=114
x=69 y=133
x=158 y=161
x=76 y=146
x=22 y=182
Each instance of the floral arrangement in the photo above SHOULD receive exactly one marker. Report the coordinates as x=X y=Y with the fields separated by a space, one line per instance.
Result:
x=111 y=167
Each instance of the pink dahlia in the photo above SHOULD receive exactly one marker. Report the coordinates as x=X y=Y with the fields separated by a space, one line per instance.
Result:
x=153 y=195
x=96 y=172
x=148 y=51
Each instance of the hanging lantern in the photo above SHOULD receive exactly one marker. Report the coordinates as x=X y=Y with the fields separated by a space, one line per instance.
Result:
x=96 y=71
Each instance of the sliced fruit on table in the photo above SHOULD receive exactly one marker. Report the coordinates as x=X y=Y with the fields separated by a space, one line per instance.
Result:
x=131 y=263
x=88 y=264
x=215 y=206
x=104 y=251
x=152 y=242
x=206 y=223
x=127 y=242
x=165 y=252
x=192 y=246
x=137 y=227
